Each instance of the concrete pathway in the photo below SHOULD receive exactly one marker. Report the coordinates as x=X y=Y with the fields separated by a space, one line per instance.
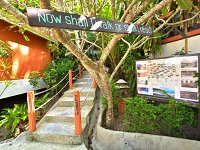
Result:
x=20 y=143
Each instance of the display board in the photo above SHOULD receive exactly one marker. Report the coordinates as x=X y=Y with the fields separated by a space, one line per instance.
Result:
x=173 y=75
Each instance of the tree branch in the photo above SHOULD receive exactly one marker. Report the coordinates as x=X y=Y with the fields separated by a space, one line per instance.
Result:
x=61 y=5
x=137 y=10
x=113 y=9
x=127 y=10
x=153 y=11
x=45 y=4
x=139 y=44
x=145 y=17
x=13 y=11
x=101 y=6
x=180 y=22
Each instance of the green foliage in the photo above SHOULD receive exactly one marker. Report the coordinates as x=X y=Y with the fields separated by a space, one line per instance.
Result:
x=166 y=119
x=32 y=138
x=115 y=93
x=198 y=81
x=172 y=116
x=40 y=101
x=181 y=52
x=184 y=4
x=33 y=79
x=56 y=70
x=5 y=65
x=11 y=118
x=128 y=68
x=5 y=49
x=140 y=114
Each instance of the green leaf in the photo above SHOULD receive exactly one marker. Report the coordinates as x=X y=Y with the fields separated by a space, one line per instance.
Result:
x=184 y=4
x=164 y=11
x=181 y=33
x=26 y=38
x=195 y=2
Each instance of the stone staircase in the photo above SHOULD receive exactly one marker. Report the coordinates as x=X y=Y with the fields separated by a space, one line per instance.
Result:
x=58 y=126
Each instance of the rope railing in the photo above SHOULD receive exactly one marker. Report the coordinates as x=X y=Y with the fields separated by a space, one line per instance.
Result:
x=53 y=86
x=41 y=106
x=75 y=70
x=85 y=84
x=31 y=102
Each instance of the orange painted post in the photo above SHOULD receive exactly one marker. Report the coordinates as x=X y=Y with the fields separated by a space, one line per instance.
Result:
x=70 y=79
x=77 y=113
x=80 y=71
x=31 y=111
x=94 y=84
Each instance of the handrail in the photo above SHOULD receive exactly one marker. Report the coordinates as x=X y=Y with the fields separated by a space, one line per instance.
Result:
x=52 y=97
x=52 y=86
x=85 y=84
x=75 y=70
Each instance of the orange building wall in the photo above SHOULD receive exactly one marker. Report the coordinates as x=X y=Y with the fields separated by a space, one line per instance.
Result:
x=27 y=56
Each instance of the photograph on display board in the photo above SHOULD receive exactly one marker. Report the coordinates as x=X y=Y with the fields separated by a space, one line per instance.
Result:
x=188 y=73
x=142 y=81
x=142 y=74
x=189 y=95
x=162 y=92
x=187 y=83
x=143 y=90
x=185 y=63
x=141 y=67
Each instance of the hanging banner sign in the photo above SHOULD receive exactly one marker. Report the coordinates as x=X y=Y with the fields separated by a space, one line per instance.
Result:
x=54 y=19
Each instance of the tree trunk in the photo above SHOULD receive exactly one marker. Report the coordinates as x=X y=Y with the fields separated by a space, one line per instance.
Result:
x=108 y=94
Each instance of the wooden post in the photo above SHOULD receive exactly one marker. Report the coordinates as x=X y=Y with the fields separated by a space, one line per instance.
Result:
x=31 y=111
x=77 y=113
x=94 y=84
x=80 y=71
x=70 y=79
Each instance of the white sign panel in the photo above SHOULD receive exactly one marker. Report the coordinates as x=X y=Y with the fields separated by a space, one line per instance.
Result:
x=172 y=75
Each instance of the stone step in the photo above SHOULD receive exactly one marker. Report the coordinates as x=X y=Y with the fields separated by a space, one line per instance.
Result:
x=86 y=91
x=87 y=79
x=66 y=114
x=86 y=76
x=57 y=132
x=82 y=84
x=85 y=73
x=69 y=101
x=57 y=126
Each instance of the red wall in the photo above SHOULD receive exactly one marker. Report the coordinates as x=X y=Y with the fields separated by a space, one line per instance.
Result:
x=27 y=56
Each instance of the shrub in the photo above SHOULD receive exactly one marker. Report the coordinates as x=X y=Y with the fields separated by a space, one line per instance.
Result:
x=13 y=118
x=33 y=79
x=166 y=119
x=140 y=114
x=56 y=70
x=115 y=94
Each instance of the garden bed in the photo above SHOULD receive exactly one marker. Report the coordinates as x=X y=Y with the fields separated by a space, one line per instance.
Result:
x=171 y=119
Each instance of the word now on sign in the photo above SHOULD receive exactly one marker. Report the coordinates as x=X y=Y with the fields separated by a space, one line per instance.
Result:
x=55 y=19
